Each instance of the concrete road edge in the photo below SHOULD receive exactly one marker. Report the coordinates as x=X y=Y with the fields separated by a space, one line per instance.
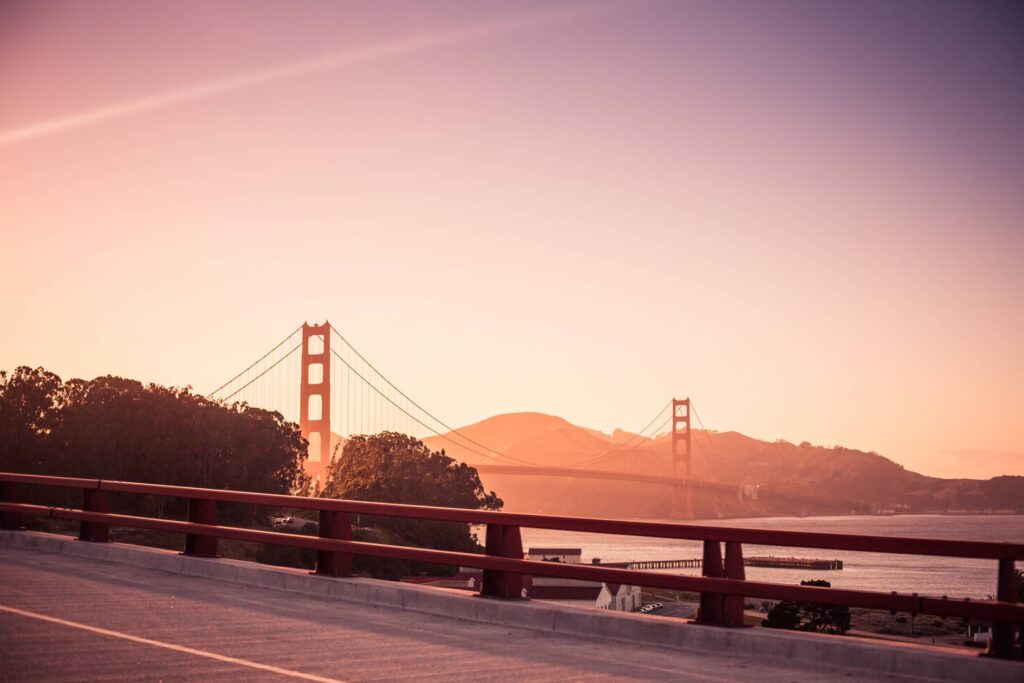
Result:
x=889 y=659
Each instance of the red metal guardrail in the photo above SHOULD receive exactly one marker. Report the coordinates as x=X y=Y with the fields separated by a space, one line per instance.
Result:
x=722 y=587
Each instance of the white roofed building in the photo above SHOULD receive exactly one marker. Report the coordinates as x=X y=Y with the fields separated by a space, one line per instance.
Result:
x=614 y=596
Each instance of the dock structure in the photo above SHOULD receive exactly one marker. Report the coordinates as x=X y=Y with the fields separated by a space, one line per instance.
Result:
x=792 y=563
x=770 y=561
x=665 y=564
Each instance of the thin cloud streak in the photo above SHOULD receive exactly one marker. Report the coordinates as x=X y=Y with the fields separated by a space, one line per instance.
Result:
x=330 y=62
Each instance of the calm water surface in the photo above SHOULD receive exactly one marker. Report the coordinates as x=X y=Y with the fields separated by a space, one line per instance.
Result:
x=869 y=571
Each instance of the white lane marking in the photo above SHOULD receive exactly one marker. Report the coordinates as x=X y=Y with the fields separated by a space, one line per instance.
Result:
x=171 y=646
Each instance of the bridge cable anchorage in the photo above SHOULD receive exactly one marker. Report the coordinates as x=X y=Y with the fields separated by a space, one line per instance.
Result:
x=271 y=367
x=262 y=358
x=424 y=424
x=623 y=446
x=450 y=429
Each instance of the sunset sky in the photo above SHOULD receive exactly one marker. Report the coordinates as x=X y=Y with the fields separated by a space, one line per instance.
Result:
x=807 y=216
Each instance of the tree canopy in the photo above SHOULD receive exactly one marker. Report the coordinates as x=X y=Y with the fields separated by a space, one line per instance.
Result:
x=116 y=428
x=394 y=468
x=29 y=400
x=808 y=616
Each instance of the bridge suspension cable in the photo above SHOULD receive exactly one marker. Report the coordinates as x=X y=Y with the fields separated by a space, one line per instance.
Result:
x=269 y=368
x=490 y=454
x=413 y=417
x=707 y=433
x=270 y=383
x=364 y=401
x=608 y=456
x=258 y=361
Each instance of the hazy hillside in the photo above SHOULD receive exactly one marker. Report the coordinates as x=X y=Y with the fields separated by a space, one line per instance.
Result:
x=531 y=437
x=791 y=479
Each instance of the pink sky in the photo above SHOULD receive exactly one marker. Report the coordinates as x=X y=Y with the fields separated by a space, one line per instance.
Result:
x=807 y=218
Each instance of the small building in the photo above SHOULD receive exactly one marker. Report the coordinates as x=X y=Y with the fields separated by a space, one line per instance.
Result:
x=471 y=575
x=614 y=596
x=979 y=631
x=619 y=597
x=610 y=596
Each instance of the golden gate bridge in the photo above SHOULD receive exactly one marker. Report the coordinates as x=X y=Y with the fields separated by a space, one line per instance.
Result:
x=317 y=378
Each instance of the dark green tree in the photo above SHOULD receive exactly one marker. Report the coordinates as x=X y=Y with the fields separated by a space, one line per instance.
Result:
x=808 y=616
x=394 y=468
x=785 y=615
x=115 y=428
x=29 y=401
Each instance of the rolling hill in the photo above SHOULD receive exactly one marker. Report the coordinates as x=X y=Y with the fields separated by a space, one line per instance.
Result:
x=791 y=479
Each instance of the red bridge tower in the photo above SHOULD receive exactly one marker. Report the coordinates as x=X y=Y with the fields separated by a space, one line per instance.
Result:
x=315 y=398
x=682 y=496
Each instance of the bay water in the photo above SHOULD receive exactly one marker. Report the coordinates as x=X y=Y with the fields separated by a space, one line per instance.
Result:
x=936 y=576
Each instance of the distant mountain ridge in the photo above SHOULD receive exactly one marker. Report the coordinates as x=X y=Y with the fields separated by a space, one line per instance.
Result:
x=791 y=479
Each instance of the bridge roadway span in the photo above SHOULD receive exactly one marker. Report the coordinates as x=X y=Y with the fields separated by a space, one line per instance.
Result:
x=614 y=475
x=66 y=617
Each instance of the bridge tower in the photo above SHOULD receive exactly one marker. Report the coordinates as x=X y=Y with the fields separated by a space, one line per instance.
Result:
x=315 y=398
x=682 y=496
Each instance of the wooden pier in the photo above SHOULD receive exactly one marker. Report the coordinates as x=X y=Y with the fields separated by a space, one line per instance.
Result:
x=771 y=561
x=792 y=563
x=665 y=564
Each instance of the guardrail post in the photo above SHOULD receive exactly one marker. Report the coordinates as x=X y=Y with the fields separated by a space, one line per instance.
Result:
x=9 y=494
x=94 y=500
x=711 y=607
x=336 y=525
x=502 y=541
x=201 y=511
x=1004 y=632
x=732 y=605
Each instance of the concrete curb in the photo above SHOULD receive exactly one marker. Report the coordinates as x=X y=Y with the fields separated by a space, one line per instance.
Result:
x=890 y=659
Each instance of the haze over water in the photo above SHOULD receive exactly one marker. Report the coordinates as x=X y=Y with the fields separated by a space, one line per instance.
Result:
x=936 y=576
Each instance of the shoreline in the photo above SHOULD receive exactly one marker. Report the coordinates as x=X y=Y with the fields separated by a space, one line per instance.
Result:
x=833 y=516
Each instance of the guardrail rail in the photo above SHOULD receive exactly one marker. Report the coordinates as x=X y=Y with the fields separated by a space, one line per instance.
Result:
x=722 y=586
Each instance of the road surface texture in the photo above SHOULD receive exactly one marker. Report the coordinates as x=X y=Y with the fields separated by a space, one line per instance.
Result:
x=66 y=618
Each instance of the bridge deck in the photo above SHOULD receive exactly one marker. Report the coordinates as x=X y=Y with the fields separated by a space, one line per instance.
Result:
x=64 y=618
x=613 y=475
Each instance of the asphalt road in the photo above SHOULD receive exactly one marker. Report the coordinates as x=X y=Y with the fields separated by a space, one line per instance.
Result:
x=67 y=619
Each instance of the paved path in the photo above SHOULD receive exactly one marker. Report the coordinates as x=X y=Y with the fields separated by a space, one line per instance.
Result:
x=65 y=618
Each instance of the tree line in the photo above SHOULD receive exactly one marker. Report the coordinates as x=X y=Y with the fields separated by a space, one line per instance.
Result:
x=116 y=428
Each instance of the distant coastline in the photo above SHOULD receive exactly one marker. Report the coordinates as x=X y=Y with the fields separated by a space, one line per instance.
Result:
x=951 y=513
